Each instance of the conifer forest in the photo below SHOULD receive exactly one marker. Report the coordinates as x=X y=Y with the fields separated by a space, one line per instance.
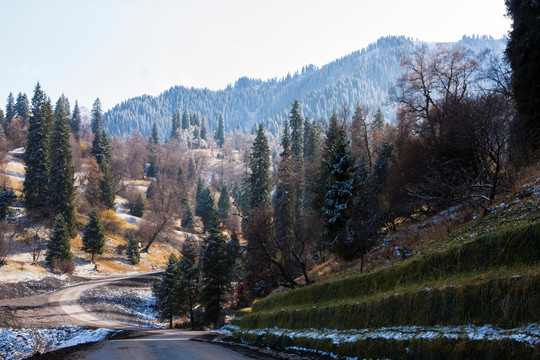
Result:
x=384 y=205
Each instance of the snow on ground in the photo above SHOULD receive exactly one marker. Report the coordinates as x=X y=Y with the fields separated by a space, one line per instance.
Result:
x=529 y=334
x=23 y=343
x=137 y=304
x=17 y=273
x=123 y=212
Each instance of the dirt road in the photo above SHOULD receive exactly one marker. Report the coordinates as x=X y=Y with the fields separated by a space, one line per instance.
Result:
x=63 y=307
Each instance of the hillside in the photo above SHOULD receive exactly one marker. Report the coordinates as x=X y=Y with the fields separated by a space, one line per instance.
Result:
x=363 y=76
x=462 y=283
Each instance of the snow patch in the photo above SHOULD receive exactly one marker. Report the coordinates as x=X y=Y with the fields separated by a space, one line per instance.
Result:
x=529 y=334
x=23 y=343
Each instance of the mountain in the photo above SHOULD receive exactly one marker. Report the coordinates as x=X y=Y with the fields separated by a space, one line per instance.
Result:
x=364 y=76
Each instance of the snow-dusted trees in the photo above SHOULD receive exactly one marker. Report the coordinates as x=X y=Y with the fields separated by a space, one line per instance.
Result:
x=58 y=248
x=216 y=271
x=219 y=136
x=36 y=180
x=132 y=252
x=61 y=192
x=165 y=292
x=94 y=235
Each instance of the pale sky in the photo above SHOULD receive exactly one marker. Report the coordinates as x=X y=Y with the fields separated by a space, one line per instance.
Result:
x=117 y=49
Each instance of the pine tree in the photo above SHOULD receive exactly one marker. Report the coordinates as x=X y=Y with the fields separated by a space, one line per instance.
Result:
x=297 y=132
x=189 y=279
x=187 y=220
x=259 y=164
x=133 y=254
x=7 y=199
x=523 y=54
x=75 y=123
x=102 y=151
x=58 y=247
x=153 y=143
x=138 y=207
x=61 y=191
x=176 y=123
x=185 y=120
x=340 y=190
x=10 y=108
x=155 y=135
x=107 y=187
x=219 y=136
x=97 y=118
x=94 y=235
x=378 y=119
x=206 y=208
x=2 y=123
x=200 y=187
x=167 y=302
x=285 y=195
x=216 y=271
x=36 y=181
x=204 y=130
x=224 y=202
x=22 y=108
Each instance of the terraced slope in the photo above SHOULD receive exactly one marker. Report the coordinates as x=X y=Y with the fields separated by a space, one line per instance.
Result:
x=474 y=295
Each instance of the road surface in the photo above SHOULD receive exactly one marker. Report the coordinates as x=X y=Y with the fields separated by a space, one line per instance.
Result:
x=63 y=308
x=161 y=344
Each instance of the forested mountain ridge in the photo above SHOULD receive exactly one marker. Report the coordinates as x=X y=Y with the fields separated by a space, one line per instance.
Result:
x=363 y=76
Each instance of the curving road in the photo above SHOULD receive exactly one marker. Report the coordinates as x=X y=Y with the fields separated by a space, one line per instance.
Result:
x=155 y=344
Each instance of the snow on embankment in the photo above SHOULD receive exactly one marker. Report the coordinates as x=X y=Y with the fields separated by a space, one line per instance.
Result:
x=23 y=343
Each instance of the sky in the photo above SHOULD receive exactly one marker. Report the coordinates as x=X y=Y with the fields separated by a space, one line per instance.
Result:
x=118 y=49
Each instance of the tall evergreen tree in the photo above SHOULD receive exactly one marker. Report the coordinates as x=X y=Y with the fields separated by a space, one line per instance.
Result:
x=219 y=136
x=216 y=271
x=206 y=208
x=185 y=120
x=22 y=107
x=187 y=220
x=176 y=124
x=2 y=123
x=189 y=279
x=224 y=202
x=10 y=108
x=523 y=53
x=93 y=239
x=297 y=131
x=378 y=119
x=58 y=247
x=36 y=181
x=259 y=164
x=107 y=186
x=133 y=253
x=61 y=191
x=285 y=197
x=164 y=290
x=340 y=190
x=138 y=207
x=204 y=130
x=198 y=191
x=155 y=135
x=75 y=123
x=102 y=151
x=97 y=118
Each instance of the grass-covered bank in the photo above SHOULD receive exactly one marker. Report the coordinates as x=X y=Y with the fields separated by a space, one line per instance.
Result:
x=465 y=342
x=492 y=279
x=508 y=248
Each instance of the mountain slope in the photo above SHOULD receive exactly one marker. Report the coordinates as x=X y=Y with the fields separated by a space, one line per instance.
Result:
x=364 y=76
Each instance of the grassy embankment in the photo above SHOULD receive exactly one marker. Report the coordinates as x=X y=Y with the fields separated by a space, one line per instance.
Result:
x=467 y=279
